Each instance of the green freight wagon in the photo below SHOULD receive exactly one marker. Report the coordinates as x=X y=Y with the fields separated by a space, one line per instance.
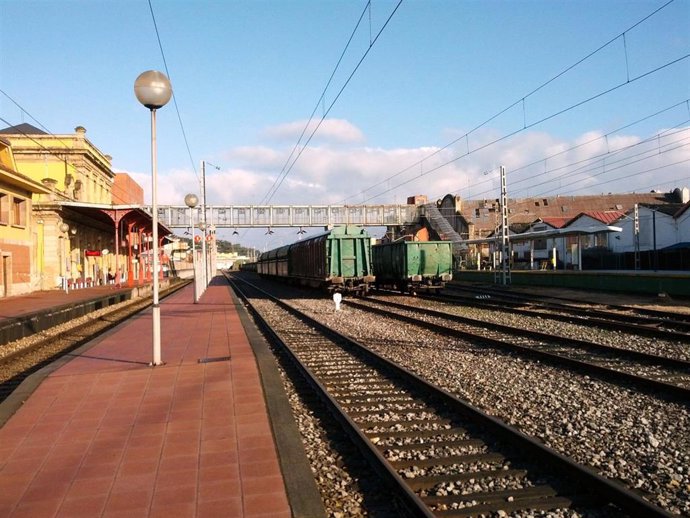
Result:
x=338 y=260
x=409 y=266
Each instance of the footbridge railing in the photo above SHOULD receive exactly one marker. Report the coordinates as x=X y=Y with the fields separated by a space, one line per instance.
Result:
x=251 y=216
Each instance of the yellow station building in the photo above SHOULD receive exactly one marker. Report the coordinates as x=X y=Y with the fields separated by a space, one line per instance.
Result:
x=67 y=219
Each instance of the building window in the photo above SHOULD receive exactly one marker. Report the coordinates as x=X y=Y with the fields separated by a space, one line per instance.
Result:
x=4 y=209
x=19 y=212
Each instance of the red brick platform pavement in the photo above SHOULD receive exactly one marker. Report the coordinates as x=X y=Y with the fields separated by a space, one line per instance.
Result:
x=105 y=435
x=30 y=303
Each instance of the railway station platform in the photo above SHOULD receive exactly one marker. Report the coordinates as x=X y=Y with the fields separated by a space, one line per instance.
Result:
x=209 y=433
x=24 y=315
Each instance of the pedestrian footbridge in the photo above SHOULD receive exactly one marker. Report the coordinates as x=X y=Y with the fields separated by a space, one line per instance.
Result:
x=275 y=216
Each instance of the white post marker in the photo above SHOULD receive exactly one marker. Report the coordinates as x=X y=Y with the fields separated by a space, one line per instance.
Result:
x=337 y=297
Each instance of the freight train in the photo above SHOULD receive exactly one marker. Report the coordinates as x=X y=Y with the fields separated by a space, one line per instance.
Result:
x=411 y=266
x=338 y=261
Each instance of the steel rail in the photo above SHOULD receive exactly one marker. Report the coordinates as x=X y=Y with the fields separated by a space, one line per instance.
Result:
x=681 y=319
x=597 y=485
x=415 y=505
x=538 y=335
x=653 y=386
x=612 y=321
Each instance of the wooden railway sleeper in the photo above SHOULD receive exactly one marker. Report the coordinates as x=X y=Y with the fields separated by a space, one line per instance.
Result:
x=459 y=443
x=488 y=458
x=406 y=424
x=428 y=482
x=507 y=495
x=421 y=434
x=364 y=411
x=549 y=504
x=527 y=446
x=363 y=399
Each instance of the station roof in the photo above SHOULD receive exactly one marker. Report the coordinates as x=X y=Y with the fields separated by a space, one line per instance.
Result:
x=543 y=234
x=101 y=212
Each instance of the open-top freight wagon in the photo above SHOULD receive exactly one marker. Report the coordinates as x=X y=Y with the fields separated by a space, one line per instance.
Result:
x=410 y=266
x=338 y=260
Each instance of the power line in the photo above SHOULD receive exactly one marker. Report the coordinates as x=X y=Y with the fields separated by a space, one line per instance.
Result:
x=24 y=111
x=366 y=53
x=43 y=127
x=51 y=152
x=601 y=162
x=323 y=94
x=522 y=100
x=600 y=158
x=528 y=126
x=605 y=136
x=177 y=109
x=638 y=173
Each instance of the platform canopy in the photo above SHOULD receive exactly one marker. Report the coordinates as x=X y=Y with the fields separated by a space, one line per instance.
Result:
x=543 y=234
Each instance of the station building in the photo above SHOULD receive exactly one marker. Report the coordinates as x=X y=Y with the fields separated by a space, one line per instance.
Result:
x=19 y=237
x=71 y=220
x=662 y=229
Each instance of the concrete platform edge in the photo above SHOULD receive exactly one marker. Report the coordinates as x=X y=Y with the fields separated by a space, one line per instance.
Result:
x=303 y=494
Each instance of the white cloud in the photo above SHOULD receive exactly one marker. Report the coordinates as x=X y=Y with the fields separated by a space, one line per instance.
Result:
x=333 y=131
x=538 y=164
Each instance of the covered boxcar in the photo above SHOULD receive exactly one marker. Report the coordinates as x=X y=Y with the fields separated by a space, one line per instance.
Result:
x=413 y=265
x=338 y=260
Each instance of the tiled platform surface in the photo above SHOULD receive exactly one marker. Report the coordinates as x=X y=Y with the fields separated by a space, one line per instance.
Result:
x=30 y=303
x=106 y=435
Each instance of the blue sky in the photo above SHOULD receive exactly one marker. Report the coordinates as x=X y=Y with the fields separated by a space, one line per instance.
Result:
x=248 y=74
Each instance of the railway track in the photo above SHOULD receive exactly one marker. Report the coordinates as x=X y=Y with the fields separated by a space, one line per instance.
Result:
x=656 y=324
x=47 y=346
x=440 y=456
x=660 y=375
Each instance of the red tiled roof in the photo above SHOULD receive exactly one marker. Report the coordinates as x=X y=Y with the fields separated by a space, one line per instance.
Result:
x=606 y=217
x=556 y=222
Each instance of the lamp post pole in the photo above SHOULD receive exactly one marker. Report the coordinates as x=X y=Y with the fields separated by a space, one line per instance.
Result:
x=153 y=90
x=64 y=229
x=191 y=200
x=203 y=226
x=204 y=276
x=505 y=245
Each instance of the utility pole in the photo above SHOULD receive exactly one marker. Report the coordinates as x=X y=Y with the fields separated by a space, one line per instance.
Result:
x=209 y=268
x=202 y=225
x=636 y=228
x=505 y=246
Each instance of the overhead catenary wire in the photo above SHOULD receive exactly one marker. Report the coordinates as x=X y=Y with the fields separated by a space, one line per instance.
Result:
x=321 y=98
x=602 y=156
x=323 y=118
x=174 y=97
x=604 y=136
x=23 y=110
x=534 y=124
x=56 y=154
x=601 y=161
x=679 y=162
x=677 y=129
x=517 y=102
x=619 y=164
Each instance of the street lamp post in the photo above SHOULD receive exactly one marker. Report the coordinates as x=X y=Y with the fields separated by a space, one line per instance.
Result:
x=192 y=200
x=204 y=276
x=213 y=252
x=64 y=229
x=153 y=90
